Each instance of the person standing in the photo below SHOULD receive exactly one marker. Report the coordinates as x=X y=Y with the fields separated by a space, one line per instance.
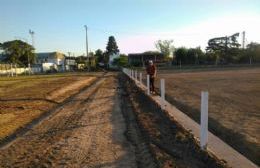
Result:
x=151 y=71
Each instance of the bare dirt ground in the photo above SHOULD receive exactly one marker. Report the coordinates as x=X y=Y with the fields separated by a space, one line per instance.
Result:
x=163 y=142
x=87 y=131
x=234 y=103
x=25 y=98
x=108 y=123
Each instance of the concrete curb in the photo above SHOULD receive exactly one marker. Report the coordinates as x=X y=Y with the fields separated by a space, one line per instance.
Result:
x=215 y=145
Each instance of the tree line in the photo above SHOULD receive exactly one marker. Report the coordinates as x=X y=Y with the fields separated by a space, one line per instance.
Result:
x=21 y=53
x=220 y=50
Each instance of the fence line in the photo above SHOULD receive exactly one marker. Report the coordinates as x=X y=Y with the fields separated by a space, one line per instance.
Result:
x=215 y=145
x=204 y=102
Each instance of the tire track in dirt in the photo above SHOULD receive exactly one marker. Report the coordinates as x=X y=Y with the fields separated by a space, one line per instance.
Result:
x=8 y=140
x=87 y=131
x=43 y=137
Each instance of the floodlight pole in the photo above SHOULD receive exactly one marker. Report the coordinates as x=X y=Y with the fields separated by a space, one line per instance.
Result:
x=32 y=35
x=86 y=27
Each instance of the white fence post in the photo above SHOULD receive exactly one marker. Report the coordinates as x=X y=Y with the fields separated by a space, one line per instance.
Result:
x=162 y=93
x=136 y=75
x=148 y=84
x=204 y=120
x=140 y=78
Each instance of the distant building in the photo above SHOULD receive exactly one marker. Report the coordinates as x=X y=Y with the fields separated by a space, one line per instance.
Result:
x=141 y=59
x=53 y=61
x=70 y=63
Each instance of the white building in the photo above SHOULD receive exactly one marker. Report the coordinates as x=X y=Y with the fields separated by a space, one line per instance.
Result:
x=51 y=61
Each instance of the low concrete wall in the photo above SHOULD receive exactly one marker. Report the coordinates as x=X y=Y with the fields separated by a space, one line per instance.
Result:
x=215 y=145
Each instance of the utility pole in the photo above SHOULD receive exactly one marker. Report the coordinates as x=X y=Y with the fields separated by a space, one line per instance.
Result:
x=32 y=35
x=243 y=39
x=86 y=27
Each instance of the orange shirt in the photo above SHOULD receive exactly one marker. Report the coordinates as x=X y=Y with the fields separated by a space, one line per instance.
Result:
x=151 y=70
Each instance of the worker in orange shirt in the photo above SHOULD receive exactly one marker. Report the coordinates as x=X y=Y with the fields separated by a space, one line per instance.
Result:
x=151 y=71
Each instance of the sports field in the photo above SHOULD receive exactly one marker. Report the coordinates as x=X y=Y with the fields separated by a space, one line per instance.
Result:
x=234 y=103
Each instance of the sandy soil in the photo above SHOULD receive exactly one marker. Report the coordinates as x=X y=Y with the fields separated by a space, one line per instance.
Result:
x=59 y=93
x=25 y=98
x=85 y=132
x=234 y=107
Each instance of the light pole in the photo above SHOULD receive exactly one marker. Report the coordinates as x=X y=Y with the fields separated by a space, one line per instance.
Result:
x=86 y=27
x=32 y=35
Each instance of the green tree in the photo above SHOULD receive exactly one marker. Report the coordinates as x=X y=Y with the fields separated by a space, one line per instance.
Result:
x=191 y=56
x=253 y=52
x=112 y=47
x=165 y=46
x=18 y=52
x=181 y=55
x=226 y=48
x=99 y=55
x=200 y=56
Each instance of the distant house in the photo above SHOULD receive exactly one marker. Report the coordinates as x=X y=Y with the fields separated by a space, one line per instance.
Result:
x=141 y=59
x=70 y=63
x=51 y=61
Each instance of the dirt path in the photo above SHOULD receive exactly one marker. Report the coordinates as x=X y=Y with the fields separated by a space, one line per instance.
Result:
x=88 y=131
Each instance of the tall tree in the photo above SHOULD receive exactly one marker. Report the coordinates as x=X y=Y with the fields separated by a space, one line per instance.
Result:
x=18 y=52
x=181 y=55
x=225 y=47
x=165 y=46
x=112 y=47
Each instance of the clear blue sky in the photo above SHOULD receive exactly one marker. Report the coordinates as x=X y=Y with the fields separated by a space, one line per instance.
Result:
x=136 y=24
